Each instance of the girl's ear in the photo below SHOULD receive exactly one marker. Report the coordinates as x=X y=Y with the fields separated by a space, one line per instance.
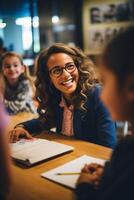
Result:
x=130 y=88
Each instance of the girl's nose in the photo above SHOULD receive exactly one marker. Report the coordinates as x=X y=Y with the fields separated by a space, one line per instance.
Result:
x=65 y=73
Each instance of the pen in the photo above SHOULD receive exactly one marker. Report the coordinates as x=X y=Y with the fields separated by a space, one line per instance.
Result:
x=69 y=173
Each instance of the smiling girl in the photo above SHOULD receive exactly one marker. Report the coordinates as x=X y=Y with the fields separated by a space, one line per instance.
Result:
x=68 y=98
x=18 y=95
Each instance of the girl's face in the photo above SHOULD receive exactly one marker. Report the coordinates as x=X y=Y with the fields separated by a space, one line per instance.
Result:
x=63 y=73
x=12 y=68
x=116 y=100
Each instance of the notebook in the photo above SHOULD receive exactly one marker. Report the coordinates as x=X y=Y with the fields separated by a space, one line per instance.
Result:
x=30 y=152
x=68 y=173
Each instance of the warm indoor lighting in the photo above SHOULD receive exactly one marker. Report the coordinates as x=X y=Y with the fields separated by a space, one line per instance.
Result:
x=2 y=24
x=55 y=19
x=26 y=21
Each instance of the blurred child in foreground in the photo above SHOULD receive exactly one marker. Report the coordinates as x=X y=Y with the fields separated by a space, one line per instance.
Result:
x=5 y=172
x=116 y=180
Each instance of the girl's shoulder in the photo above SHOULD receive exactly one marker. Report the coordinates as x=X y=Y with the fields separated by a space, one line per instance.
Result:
x=93 y=96
x=24 y=80
x=94 y=91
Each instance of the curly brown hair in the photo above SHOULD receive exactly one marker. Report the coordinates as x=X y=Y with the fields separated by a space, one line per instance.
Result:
x=47 y=95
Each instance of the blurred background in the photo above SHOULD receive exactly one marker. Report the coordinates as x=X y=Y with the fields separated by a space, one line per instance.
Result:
x=27 y=26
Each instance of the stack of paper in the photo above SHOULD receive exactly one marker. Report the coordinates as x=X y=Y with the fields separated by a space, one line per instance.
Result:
x=29 y=152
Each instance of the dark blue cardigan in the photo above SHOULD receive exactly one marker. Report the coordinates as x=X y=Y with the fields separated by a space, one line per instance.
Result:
x=117 y=181
x=94 y=125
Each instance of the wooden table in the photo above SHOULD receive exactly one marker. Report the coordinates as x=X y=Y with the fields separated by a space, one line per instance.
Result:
x=21 y=117
x=27 y=183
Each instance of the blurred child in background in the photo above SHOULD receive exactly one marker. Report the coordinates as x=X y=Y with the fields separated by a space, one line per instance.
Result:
x=115 y=181
x=18 y=95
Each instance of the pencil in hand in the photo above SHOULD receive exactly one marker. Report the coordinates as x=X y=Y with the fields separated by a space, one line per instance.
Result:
x=68 y=173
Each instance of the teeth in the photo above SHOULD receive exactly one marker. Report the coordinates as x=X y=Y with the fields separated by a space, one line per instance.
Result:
x=67 y=82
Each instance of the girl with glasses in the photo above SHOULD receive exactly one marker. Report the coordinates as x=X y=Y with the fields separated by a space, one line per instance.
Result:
x=68 y=98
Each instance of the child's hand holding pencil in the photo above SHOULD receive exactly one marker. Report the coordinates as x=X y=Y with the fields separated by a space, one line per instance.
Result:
x=91 y=173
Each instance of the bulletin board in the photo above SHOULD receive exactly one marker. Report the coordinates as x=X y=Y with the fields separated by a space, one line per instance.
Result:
x=102 y=20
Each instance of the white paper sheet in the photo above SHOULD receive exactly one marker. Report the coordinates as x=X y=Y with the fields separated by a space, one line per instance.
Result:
x=73 y=166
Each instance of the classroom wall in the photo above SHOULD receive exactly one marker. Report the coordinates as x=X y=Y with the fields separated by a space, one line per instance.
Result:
x=69 y=27
x=88 y=27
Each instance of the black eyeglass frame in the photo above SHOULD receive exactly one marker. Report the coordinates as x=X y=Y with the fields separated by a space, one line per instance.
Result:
x=51 y=71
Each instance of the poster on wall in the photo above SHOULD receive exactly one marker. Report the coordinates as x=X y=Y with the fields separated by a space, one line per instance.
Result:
x=98 y=37
x=113 y=12
x=106 y=20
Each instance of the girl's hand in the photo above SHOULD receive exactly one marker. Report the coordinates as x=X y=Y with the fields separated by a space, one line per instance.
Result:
x=90 y=168
x=15 y=134
x=91 y=173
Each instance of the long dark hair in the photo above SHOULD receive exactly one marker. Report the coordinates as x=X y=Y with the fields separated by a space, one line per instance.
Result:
x=48 y=95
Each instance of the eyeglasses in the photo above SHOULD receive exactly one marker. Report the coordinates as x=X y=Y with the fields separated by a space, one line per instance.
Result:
x=58 y=71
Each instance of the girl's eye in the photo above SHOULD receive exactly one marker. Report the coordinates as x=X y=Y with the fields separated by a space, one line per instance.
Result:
x=71 y=66
x=56 y=71
x=7 y=66
x=16 y=65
